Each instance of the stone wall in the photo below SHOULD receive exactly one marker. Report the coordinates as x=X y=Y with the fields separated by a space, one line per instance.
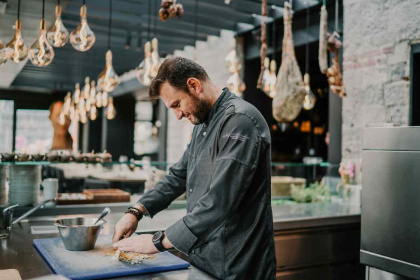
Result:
x=378 y=35
x=211 y=55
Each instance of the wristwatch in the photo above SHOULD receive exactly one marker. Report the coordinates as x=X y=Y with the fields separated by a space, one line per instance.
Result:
x=157 y=240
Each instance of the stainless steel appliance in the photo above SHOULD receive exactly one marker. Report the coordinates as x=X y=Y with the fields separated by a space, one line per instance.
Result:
x=390 y=233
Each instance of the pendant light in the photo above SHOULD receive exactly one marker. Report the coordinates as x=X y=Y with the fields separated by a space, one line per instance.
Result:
x=232 y=60
x=110 y=110
x=86 y=88
x=3 y=54
x=82 y=38
x=76 y=95
x=155 y=58
x=235 y=84
x=269 y=81
x=41 y=52
x=16 y=50
x=143 y=71
x=57 y=34
x=104 y=98
x=310 y=98
x=108 y=79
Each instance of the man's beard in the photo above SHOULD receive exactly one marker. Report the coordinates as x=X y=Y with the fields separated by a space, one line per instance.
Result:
x=202 y=109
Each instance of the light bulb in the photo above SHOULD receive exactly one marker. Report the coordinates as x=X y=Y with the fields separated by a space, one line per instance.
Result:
x=88 y=106
x=57 y=34
x=143 y=72
x=16 y=49
x=310 y=98
x=235 y=84
x=67 y=104
x=266 y=74
x=62 y=119
x=86 y=88
x=93 y=113
x=233 y=62
x=92 y=94
x=41 y=52
x=154 y=58
x=82 y=38
x=77 y=94
x=104 y=98
x=110 y=111
x=272 y=80
x=98 y=99
x=3 y=54
x=108 y=79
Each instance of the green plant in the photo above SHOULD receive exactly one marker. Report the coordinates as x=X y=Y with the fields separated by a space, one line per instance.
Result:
x=314 y=192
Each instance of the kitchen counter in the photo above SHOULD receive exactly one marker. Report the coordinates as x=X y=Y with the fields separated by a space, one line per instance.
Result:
x=17 y=251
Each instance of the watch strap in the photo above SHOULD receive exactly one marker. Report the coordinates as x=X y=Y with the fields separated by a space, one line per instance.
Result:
x=158 y=243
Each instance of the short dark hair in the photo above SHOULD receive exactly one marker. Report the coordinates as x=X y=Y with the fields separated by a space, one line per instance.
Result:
x=176 y=71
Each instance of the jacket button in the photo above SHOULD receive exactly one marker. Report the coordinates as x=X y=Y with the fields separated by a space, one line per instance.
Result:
x=190 y=190
x=204 y=133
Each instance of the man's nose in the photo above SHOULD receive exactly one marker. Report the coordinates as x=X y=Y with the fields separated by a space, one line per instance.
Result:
x=178 y=114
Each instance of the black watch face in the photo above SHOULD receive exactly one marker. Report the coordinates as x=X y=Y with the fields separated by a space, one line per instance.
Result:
x=157 y=236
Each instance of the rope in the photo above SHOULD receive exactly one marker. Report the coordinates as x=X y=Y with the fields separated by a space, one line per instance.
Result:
x=307 y=40
x=110 y=24
x=324 y=3
x=155 y=9
x=274 y=39
x=195 y=22
x=336 y=15
x=148 y=20
x=84 y=2
x=43 y=8
x=18 y=15
x=58 y=2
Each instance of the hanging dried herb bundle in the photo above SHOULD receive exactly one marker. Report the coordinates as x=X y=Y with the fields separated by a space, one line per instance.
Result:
x=288 y=101
x=170 y=9
x=263 y=51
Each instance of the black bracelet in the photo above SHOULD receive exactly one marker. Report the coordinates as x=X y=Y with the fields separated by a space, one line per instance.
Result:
x=136 y=214
x=135 y=209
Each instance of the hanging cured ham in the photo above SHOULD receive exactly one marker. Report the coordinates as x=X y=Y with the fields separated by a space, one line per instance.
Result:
x=334 y=73
x=323 y=29
x=287 y=103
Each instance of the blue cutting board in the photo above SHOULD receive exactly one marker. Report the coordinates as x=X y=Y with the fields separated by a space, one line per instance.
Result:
x=97 y=263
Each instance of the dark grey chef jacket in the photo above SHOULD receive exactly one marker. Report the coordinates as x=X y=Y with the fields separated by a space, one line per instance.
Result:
x=226 y=171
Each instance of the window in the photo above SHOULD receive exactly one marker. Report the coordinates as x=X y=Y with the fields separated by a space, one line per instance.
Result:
x=34 y=131
x=6 y=126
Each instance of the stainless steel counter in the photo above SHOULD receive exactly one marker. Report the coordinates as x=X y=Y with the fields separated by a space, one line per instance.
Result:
x=18 y=252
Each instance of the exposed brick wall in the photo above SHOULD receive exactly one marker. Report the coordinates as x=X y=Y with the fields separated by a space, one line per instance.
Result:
x=377 y=39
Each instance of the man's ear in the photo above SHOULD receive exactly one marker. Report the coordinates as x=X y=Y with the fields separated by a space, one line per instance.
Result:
x=194 y=86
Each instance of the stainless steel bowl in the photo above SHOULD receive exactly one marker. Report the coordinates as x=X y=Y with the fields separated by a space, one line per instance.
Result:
x=79 y=234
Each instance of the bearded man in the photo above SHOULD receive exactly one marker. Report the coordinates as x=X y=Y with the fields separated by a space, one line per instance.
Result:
x=226 y=172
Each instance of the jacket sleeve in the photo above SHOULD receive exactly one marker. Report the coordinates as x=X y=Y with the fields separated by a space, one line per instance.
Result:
x=239 y=145
x=168 y=189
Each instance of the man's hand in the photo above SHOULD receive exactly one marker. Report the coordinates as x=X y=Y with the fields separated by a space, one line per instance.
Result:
x=125 y=227
x=142 y=244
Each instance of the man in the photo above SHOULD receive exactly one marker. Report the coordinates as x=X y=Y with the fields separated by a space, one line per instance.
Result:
x=62 y=139
x=226 y=172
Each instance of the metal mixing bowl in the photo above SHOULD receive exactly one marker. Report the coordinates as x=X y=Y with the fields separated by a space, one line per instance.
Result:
x=79 y=234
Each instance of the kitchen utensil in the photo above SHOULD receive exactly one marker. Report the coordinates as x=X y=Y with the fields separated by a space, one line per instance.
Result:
x=105 y=212
x=79 y=234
